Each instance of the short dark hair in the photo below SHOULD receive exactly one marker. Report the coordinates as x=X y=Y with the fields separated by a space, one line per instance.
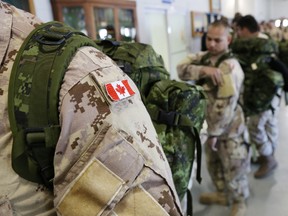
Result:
x=236 y=17
x=248 y=22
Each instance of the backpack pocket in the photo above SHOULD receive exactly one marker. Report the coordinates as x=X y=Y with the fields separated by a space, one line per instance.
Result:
x=103 y=175
x=260 y=90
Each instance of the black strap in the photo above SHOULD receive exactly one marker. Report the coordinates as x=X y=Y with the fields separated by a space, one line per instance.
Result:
x=189 y=210
x=199 y=155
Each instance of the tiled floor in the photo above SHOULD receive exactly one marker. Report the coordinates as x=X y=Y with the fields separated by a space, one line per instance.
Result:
x=269 y=196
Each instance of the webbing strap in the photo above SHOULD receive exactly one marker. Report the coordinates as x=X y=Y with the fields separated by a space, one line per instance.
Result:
x=189 y=211
x=36 y=79
x=180 y=120
x=119 y=50
x=199 y=154
x=170 y=118
x=286 y=97
x=205 y=60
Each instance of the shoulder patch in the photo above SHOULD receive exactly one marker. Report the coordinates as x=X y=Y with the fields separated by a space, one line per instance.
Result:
x=119 y=90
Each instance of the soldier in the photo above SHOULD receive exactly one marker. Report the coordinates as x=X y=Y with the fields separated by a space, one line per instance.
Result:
x=108 y=160
x=227 y=155
x=262 y=127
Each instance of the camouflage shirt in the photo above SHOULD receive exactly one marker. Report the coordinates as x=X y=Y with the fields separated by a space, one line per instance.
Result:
x=224 y=116
x=108 y=160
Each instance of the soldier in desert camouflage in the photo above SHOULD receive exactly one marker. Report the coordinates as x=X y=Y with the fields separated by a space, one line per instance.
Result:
x=108 y=160
x=227 y=155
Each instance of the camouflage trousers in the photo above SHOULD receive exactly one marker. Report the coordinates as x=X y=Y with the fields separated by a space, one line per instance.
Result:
x=263 y=131
x=263 y=128
x=229 y=166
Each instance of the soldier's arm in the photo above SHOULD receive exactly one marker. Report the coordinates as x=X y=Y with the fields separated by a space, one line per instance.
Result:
x=188 y=70
x=103 y=146
x=225 y=102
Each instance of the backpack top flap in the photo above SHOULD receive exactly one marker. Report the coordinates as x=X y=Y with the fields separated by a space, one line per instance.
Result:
x=33 y=97
x=139 y=61
x=249 y=47
x=177 y=103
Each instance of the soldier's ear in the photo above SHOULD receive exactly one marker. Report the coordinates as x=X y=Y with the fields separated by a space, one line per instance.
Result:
x=229 y=38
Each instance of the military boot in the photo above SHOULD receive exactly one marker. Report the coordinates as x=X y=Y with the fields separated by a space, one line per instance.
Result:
x=218 y=198
x=267 y=165
x=238 y=209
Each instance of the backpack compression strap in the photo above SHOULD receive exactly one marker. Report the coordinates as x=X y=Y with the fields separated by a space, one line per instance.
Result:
x=205 y=59
x=176 y=119
x=33 y=97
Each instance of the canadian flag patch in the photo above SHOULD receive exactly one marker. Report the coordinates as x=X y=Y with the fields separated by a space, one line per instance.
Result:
x=119 y=90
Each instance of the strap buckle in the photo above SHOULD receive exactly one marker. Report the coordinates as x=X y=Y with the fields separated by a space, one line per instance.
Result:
x=50 y=36
x=34 y=137
x=170 y=118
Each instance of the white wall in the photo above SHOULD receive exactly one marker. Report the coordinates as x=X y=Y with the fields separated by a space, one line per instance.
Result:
x=43 y=10
x=228 y=8
x=279 y=9
x=262 y=10
x=258 y=8
x=246 y=6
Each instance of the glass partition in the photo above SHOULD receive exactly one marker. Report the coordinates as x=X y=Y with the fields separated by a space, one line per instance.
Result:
x=75 y=17
x=127 y=26
x=104 y=22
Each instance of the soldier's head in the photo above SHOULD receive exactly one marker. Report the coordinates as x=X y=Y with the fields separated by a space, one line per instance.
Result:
x=247 y=26
x=218 y=37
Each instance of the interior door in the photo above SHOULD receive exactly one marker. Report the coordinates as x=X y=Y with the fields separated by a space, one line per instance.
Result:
x=156 y=25
x=178 y=41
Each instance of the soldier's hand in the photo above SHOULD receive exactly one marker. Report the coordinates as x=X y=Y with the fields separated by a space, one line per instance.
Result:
x=214 y=74
x=212 y=143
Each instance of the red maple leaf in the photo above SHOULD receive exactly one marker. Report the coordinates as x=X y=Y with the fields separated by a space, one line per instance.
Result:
x=120 y=89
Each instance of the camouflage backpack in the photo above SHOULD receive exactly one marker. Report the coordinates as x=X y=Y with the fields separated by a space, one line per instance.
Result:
x=177 y=110
x=33 y=109
x=261 y=82
x=139 y=61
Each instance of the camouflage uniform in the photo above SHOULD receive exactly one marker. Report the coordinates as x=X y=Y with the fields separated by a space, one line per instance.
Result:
x=263 y=127
x=228 y=167
x=108 y=160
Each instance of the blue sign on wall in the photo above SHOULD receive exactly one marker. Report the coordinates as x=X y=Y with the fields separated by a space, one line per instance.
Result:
x=167 y=1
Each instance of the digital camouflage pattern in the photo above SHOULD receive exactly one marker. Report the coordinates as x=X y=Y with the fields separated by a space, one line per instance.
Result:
x=177 y=110
x=140 y=61
x=125 y=146
x=264 y=130
x=108 y=159
x=261 y=82
x=228 y=167
x=146 y=68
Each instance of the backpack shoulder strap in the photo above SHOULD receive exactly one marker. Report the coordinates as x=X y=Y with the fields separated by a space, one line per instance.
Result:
x=224 y=57
x=35 y=82
x=205 y=60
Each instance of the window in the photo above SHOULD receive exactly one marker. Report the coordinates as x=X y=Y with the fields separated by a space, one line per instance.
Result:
x=26 y=5
x=99 y=19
